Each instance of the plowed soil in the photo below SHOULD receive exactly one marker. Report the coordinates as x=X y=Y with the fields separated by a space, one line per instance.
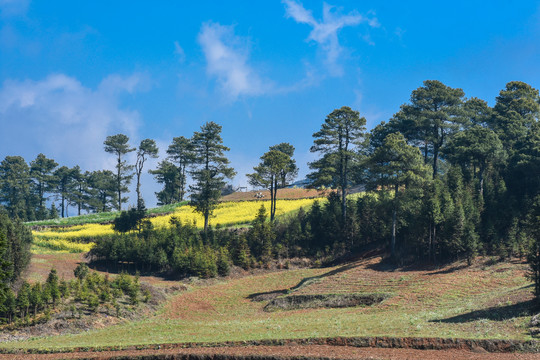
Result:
x=286 y=352
x=281 y=194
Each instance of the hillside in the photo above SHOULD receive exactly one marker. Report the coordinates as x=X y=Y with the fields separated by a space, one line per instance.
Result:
x=484 y=301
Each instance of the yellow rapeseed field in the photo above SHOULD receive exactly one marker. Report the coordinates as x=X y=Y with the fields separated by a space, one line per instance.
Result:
x=77 y=232
x=79 y=238
x=232 y=213
x=59 y=245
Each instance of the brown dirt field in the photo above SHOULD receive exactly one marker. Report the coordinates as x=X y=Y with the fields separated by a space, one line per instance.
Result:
x=306 y=351
x=41 y=265
x=281 y=194
x=414 y=286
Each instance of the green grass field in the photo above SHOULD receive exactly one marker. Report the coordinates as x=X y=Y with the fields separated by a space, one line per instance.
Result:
x=101 y=217
x=482 y=301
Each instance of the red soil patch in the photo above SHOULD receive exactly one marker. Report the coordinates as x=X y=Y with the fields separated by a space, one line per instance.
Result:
x=285 y=352
x=65 y=264
x=281 y=194
x=41 y=265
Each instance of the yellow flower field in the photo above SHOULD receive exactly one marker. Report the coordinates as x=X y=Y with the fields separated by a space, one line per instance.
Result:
x=79 y=238
x=232 y=213
x=44 y=245
x=77 y=232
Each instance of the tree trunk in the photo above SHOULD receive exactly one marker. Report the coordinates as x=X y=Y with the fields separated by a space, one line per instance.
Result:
x=206 y=216
x=275 y=198
x=138 y=188
x=430 y=251
x=344 y=190
x=481 y=178
x=435 y=160
x=119 y=183
x=439 y=141
x=182 y=181
x=343 y=205
x=272 y=182
x=434 y=243
x=394 y=225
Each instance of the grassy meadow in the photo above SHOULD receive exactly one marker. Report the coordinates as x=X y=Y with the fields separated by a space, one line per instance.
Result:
x=486 y=300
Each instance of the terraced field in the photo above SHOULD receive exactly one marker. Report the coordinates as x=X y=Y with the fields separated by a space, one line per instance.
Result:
x=485 y=301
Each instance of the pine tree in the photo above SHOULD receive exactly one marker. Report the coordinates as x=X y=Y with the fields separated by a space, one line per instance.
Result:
x=276 y=169
x=393 y=165
x=210 y=169
x=181 y=154
x=339 y=139
x=52 y=282
x=15 y=187
x=41 y=170
x=118 y=146
x=147 y=149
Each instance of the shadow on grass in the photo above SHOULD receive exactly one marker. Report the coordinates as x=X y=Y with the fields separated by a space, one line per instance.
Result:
x=130 y=268
x=449 y=270
x=270 y=295
x=497 y=313
x=387 y=265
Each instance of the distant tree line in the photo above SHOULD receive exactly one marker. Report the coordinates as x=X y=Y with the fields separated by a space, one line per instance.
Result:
x=26 y=189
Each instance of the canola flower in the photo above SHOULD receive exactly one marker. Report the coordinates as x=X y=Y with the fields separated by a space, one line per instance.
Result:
x=232 y=212
x=59 y=245
x=80 y=238
x=80 y=233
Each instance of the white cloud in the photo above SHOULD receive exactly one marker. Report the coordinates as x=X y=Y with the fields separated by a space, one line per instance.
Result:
x=325 y=31
x=227 y=58
x=64 y=119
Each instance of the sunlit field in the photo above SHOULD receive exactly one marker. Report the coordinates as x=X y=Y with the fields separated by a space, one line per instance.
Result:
x=80 y=238
x=232 y=213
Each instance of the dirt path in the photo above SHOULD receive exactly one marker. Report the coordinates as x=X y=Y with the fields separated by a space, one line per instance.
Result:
x=277 y=352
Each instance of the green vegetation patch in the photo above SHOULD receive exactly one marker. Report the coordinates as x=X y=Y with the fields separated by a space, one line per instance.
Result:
x=101 y=217
x=316 y=301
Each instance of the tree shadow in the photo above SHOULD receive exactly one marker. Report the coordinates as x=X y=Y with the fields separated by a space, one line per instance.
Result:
x=449 y=270
x=496 y=313
x=270 y=295
x=130 y=268
x=388 y=265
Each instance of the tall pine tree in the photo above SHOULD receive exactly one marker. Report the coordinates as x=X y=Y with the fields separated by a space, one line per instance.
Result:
x=210 y=170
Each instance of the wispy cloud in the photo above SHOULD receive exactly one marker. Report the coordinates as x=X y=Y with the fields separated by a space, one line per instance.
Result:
x=64 y=119
x=325 y=32
x=227 y=58
x=179 y=52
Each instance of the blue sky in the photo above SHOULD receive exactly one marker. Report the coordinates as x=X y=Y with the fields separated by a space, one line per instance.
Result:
x=73 y=72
